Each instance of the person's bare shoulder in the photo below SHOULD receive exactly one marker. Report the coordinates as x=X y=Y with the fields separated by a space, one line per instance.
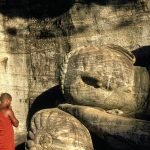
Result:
x=4 y=111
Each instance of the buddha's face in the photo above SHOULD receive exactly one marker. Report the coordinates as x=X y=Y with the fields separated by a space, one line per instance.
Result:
x=100 y=78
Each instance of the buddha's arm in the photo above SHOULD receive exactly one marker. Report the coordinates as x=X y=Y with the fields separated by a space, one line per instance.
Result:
x=129 y=131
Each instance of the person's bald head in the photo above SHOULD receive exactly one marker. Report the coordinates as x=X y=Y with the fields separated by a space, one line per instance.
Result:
x=5 y=98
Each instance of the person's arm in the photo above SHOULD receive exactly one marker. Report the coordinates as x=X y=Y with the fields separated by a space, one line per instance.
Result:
x=12 y=117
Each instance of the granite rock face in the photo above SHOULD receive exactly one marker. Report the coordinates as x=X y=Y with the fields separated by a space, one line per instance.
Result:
x=35 y=35
x=14 y=73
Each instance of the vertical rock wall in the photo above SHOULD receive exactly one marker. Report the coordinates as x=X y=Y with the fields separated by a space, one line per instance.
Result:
x=115 y=22
x=46 y=45
x=14 y=72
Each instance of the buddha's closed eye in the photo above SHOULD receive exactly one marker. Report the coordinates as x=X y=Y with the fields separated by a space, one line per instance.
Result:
x=91 y=81
x=94 y=81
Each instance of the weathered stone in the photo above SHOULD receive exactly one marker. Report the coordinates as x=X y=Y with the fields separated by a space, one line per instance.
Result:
x=35 y=35
x=55 y=129
x=14 y=76
x=119 y=132
x=104 y=77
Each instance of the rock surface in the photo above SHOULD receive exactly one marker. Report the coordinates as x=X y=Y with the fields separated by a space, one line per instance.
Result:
x=104 y=77
x=34 y=35
x=55 y=129
x=119 y=132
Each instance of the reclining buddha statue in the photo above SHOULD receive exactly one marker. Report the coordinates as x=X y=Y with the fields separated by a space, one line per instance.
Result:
x=105 y=94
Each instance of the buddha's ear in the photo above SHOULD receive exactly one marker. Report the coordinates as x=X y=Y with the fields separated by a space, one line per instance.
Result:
x=124 y=51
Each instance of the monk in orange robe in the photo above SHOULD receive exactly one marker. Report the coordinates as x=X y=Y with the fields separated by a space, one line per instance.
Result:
x=7 y=121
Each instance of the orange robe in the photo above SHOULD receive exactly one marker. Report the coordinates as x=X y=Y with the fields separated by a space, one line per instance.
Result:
x=6 y=134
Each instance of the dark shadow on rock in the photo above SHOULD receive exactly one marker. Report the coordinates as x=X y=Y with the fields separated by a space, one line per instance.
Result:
x=109 y=2
x=41 y=9
x=20 y=147
x=99 y=143
x=34 y=8
x=48 y=99
x=124 y=23
x=142 y=56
